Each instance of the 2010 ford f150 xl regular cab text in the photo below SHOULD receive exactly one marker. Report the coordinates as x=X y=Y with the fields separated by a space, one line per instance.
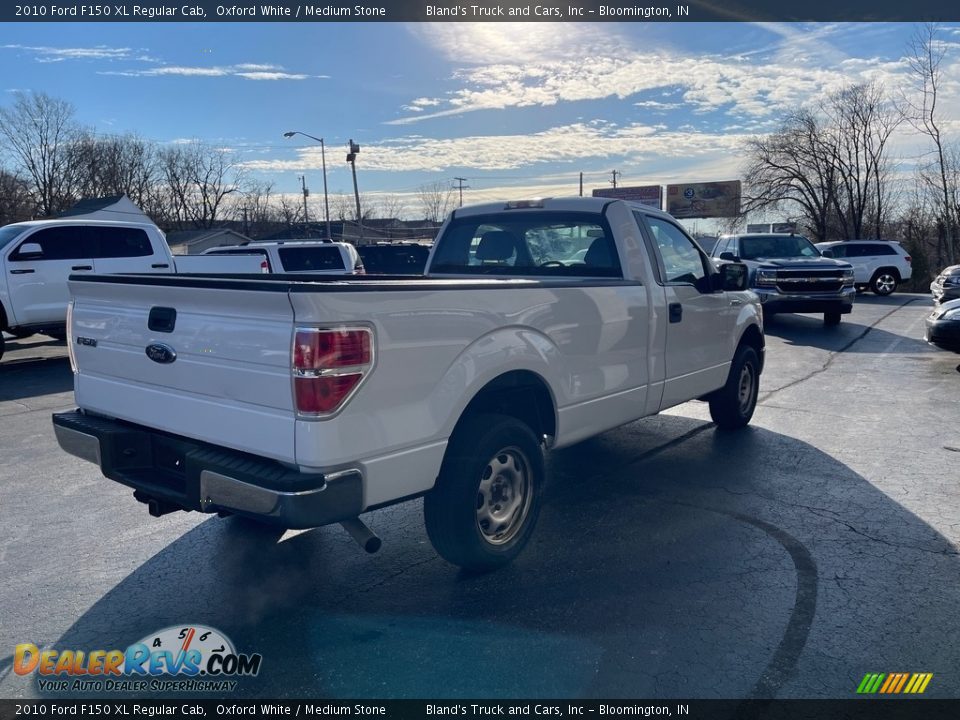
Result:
x=308 y=400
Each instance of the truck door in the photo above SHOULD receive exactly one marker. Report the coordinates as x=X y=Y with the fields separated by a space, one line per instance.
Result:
x=126 y=250
x=699 y=321
x=37 y=279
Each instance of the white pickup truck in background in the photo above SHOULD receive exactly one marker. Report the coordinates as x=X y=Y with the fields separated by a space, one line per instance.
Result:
x=37 y=257
x=538 y=324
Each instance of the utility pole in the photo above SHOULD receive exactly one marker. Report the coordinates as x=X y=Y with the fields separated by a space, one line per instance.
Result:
x=246 y=227
x=615 y=173
x=352 y=159
x=581 y=184
x=303 y=182
x=462 y=186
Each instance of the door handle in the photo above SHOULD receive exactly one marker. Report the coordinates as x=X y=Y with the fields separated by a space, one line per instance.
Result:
x=676 y=312
x=82 y=267
x=160 y=265
x=20 y=272
x=736 y=301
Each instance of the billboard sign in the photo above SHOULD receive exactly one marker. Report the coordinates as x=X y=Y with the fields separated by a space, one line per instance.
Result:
x=643 y=194
x=704 y=200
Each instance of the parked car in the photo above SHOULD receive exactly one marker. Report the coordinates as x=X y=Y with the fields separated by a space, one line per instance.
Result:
x=394 y=258
x=880 y=265
x=329 y=397
x=37 y=257
x=300 y=256
x=946 y=286
x=943 y=326
x=790 y=274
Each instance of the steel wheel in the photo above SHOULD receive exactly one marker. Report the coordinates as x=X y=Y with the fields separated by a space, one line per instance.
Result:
x=747 y=388
x=483 y=509
x=503 y=497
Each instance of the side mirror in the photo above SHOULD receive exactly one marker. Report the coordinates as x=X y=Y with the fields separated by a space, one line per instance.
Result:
x=727 y=255
x=827 y=253
x=730 y=276
x=30 y=251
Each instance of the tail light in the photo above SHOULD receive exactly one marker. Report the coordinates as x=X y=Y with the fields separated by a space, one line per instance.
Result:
x=907 y=258
x=328 y=366
x=264 y=266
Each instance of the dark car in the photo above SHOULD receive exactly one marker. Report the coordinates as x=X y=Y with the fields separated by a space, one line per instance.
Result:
x=394 y=258
x=946 y=286
x=943 y=326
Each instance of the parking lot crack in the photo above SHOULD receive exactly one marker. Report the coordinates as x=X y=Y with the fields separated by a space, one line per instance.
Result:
x=835 y=354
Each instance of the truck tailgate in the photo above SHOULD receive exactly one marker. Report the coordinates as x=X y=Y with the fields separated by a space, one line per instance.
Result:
x=229 y=382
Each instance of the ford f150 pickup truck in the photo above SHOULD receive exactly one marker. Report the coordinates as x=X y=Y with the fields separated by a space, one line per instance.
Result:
x=37 y=257
x=308 y=400
x=789 y=274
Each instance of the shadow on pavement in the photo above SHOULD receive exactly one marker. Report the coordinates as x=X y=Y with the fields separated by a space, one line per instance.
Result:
x=671 y=560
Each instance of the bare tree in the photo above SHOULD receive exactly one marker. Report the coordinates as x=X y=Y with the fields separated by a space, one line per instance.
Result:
x=861 y=121
x=198 y=178
x=16 y=203
x=253 y=205
x=436 y=200
x=115 y=165
x=794 y=166
x=40 y=130
x=920 y=109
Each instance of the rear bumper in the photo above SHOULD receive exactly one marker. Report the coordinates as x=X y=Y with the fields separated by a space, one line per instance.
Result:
x=190 y=475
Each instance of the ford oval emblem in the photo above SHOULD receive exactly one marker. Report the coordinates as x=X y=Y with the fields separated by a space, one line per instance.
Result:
x=160 y=353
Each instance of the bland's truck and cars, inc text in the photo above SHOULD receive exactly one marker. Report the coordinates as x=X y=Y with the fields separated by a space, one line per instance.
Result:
x=537 y=324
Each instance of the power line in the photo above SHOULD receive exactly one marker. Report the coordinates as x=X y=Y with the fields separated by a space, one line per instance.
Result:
x=461 y=180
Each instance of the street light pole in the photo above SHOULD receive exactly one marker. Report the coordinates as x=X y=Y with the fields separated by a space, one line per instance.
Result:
x=303 y=183
x=323 y=159
x=352 y=159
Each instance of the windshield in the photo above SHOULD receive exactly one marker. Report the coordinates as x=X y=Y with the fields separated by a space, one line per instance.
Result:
x=777 y=246
x=9 y=233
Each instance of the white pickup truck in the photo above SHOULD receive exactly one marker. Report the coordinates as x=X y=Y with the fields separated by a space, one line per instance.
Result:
x=306 y=401
x=37 y=257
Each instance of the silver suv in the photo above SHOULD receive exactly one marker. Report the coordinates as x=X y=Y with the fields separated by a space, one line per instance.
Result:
x=880 y=265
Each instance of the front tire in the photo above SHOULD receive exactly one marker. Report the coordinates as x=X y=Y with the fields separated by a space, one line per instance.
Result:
x=732 y=406
x=832 y=317
x=487 y=498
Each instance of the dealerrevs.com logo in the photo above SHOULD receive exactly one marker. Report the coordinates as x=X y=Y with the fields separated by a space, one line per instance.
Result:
x=176 y=659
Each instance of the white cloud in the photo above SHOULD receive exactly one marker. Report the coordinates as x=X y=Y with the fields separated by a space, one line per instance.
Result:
x=579 y=142
x=248 y=71
x=53 y=54
x=503 y=65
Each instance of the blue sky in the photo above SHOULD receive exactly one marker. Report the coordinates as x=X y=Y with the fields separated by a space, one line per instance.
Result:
x=518 y=109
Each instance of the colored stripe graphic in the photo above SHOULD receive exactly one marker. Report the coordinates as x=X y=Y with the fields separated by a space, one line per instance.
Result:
x=894 y=683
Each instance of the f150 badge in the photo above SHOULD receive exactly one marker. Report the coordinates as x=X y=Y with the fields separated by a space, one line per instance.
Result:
x=160 y=353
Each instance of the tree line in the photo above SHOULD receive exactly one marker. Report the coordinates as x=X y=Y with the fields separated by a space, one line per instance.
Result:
x=829 y=165
x=49 y=161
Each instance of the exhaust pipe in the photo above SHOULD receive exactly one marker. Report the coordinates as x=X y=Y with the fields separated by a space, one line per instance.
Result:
x=364 y=536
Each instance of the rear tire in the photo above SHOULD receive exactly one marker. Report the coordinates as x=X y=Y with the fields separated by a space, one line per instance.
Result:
x=884 y=282
x=732 y=406
x=20 y=333
x=3 y=344
x=487 y=498
x=832 y=317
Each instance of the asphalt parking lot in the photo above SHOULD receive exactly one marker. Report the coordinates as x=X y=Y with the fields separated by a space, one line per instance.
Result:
x=671 y=560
